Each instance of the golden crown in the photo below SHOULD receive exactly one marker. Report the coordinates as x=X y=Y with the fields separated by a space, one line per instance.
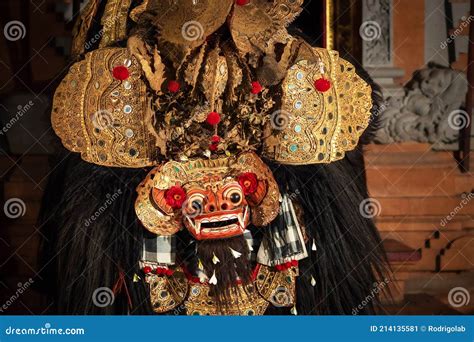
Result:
x=141 y=105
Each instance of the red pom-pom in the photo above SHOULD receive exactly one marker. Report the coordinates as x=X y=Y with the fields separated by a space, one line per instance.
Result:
x=147 y=269
x=121 y=73
x=173 y=86
x=213 y=118
x=215 y=139
x=249 y=182
x=242 y=2
x=256 y=87
x=322 y=85
x=175 y=197
x=168 y=272
x=213 y=147
x=294 y=263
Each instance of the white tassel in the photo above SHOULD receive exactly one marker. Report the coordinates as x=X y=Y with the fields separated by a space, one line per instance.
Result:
x=202 y=277
x=200 y=265
x=235 y=253
x=215 y=259
x=293 y=311
x=313 y=281
x=213 y=279
x=313 y=247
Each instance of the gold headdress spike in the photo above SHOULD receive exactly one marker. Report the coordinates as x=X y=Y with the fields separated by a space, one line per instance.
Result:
x=114 y=21
x=260 y=24
x=325 y=109
x=137 y=11
x=82 y=26
x=189 y=22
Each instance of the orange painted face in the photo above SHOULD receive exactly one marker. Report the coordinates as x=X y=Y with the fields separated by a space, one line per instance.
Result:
x=215 y=209
x=213 y=199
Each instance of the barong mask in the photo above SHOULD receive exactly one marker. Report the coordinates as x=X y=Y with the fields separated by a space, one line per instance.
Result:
x=204 y=92
x=213 y=199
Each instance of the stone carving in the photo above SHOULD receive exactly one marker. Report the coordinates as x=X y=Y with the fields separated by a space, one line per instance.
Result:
x=425 y=112
x=375 y=32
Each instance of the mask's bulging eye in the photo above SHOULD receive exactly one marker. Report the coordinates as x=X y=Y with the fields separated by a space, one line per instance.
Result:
x=194 y=205
x=235 y=197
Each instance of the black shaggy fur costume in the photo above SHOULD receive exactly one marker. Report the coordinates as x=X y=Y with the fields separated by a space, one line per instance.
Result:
x=84 y=251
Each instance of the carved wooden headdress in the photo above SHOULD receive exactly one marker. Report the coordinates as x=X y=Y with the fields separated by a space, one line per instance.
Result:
x=211 y=80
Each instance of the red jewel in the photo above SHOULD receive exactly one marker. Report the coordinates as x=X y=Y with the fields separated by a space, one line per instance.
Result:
x=213 y=118
x=322 y=84
x=242 y=2
x=249 y=182
x=121 y=73
x=147 y=269
x=256 y=87
x=173 y=86
x=215 y=139
x=213 y=147
x=175 y=197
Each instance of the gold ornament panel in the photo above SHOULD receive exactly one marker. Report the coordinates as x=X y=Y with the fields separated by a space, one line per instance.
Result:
x=167 y=293
x=246 y=302
x=319 y=127
x=269 y=287
x=277 y=287
x=103 y=118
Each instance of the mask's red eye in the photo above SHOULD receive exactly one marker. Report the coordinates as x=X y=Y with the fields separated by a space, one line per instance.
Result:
x=249 y=182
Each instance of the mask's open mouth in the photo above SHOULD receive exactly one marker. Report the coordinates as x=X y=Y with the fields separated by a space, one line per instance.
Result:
x=218 y=225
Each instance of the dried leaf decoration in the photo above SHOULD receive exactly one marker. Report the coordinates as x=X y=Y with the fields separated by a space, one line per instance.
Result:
x=151 y=63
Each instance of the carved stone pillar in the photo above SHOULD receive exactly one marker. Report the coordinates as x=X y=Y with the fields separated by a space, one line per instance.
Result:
x=376 y=34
